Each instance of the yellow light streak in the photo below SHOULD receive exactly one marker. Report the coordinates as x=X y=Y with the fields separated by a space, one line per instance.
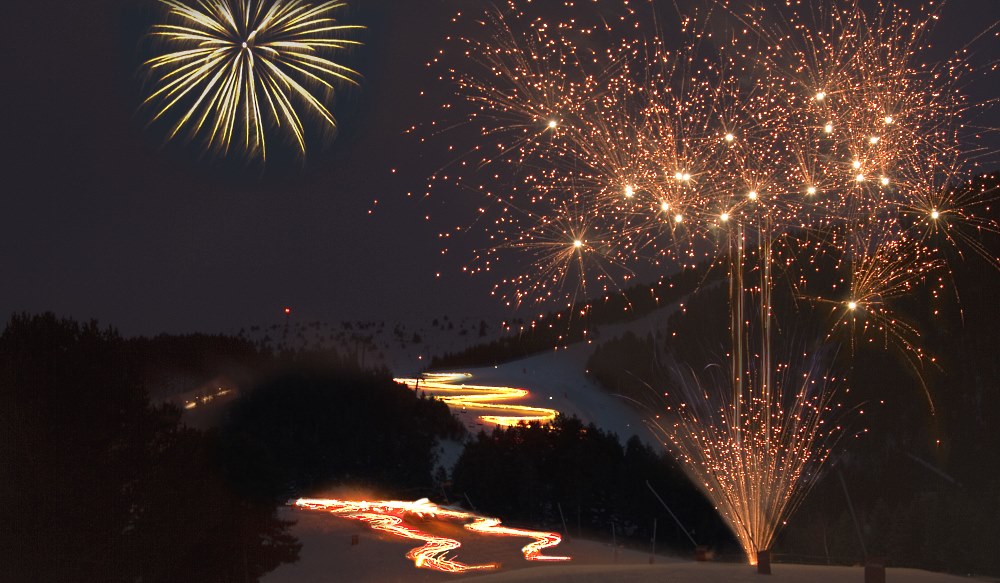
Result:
x=233 y=72
x=452 y=391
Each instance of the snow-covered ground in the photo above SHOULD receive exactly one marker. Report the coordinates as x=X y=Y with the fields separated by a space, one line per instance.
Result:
x=692 y=572
x=328 y=557
x=403 y=347
x=558 y=380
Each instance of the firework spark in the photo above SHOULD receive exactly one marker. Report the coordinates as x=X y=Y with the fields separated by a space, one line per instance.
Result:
x=819 y=130
x=756 y=460
x=233 y=72
x=807 y=144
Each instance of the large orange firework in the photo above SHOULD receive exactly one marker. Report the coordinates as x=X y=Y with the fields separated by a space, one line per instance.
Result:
x=811 y=144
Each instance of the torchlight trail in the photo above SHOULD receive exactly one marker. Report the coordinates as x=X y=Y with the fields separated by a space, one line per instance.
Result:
x=389 y=517
x=206 y=398
x=480 y=397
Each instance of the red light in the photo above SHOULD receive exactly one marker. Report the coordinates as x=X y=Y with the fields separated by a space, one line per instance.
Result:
x=288 y=311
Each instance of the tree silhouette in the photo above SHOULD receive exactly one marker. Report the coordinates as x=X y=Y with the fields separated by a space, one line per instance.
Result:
x=100 y=486
x=303 y=431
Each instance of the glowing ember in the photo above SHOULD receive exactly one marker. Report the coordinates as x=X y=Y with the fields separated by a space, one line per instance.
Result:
x=388 y=517
x=482 y=397
x=844 y=105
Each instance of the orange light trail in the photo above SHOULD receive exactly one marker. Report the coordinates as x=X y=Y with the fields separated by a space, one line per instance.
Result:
x=388 y=517
x=448 y=388
x=205 y=399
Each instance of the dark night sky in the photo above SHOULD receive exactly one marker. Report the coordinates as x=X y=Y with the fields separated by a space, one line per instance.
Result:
x=100 y=221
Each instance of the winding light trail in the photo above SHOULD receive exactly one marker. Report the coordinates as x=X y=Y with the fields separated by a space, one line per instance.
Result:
x=387 y=516
x=448 y=388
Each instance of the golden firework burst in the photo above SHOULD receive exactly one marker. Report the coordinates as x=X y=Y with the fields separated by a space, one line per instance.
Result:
x=234 y=72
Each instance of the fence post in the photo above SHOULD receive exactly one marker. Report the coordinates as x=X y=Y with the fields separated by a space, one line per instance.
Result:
x=614 y=541
x=875 y=569
x=763 y=562
x=652 y=552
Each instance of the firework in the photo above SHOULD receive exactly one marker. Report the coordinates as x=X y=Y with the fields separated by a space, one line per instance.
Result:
x=757 y=457
x=821 y=131
x=807 y=144
x=234 y=72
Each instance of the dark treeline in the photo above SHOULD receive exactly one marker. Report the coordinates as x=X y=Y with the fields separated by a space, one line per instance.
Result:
x=563 y=327
x=195 y=359
x=529 y=473
x=101 y=484
x=638 y=367
x=924 y=478
x=314 y=428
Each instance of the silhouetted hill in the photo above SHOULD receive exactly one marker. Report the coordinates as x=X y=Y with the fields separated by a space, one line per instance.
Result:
x=576 y=324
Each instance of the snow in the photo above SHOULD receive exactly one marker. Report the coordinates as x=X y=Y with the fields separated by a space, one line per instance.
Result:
x=557 y=379
x=328 y=556
x=692 y=572
x=402 y=346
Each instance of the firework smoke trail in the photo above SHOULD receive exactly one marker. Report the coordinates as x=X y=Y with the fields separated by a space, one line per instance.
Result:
x=806 y=144
x=233 y=72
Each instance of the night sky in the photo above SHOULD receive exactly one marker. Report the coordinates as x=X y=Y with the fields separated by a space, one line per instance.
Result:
x=100 y=220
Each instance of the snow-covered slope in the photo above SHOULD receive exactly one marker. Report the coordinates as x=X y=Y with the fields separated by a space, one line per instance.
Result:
x=403 y=347
x=692 y=572
x=328 y=557
x=558 y=379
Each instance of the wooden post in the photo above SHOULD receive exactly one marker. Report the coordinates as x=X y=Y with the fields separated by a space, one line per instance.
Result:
x=763 y=562
x=875 y=570
x=652 y=551
x=614 y=541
